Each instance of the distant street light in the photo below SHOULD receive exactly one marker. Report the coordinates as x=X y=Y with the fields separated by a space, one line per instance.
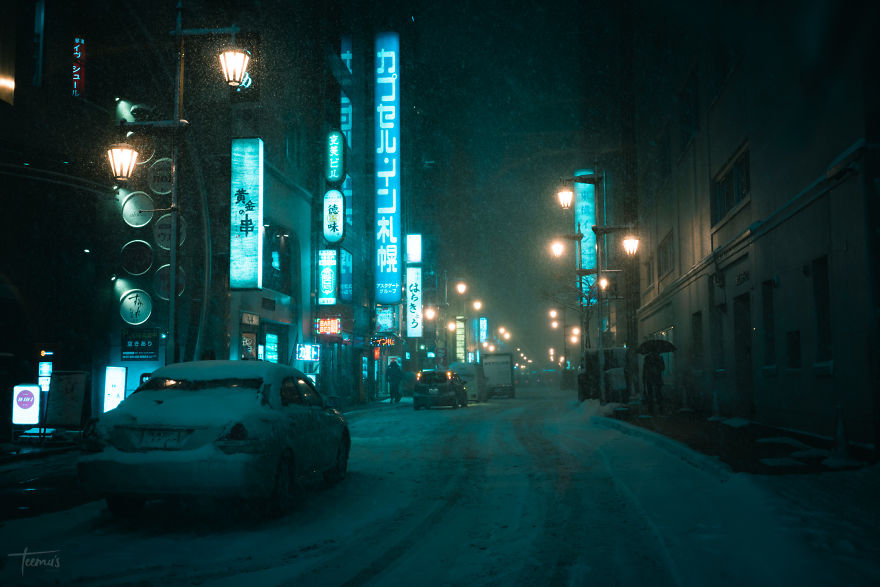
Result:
x=478 y=304
x=461 y=287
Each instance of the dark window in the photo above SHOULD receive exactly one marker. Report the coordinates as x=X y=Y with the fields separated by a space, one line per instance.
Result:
x=649 y=271
x=793 y=346
x=769 y=322
x=309 y=393
x=276 y=259
x=731 y=187
x=822 y=301
x=290 y=394
x=665 y=258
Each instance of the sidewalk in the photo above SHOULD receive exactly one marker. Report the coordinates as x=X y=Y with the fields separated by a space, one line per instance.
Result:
x=746 y=446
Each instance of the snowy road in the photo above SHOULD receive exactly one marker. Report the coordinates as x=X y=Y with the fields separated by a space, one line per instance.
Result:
x=529 y=491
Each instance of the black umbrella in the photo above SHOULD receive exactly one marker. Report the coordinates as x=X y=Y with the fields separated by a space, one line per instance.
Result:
x=656 y=345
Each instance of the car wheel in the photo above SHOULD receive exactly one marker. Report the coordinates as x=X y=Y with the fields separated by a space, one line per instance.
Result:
x=123 y=506
x=340 y=468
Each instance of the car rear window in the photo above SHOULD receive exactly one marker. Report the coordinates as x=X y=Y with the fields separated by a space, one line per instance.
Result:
x=433 y=378
x=161 y=383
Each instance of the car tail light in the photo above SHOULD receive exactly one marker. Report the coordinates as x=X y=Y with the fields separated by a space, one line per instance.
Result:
x=237 y=432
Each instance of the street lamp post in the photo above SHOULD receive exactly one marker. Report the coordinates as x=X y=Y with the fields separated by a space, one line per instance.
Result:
x=631 y=245
x=123 y=157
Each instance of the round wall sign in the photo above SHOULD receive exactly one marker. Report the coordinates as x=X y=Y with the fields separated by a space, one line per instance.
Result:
x=162 y=231
x=162 y=281
x=137 y=257
x=135 y=306
x=132 y=206
x=159 y=176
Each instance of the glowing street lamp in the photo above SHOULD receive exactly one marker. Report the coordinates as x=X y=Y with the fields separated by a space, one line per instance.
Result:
x=430 y=313
x=557 y=248
x=234 y=62
x=478 y=304
x=123 y=159
x=630 y=245
x=451 y=326
x=461 y=287
x=565 y=196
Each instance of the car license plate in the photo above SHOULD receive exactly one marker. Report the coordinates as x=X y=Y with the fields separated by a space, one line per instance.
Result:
x=433 y=390
x=160 y=439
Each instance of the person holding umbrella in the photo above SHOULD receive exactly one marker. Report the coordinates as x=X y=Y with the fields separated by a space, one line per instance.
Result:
x=652 y=370
x=652 y=375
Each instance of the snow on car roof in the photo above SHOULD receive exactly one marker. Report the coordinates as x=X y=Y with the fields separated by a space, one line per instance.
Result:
x=207 y=370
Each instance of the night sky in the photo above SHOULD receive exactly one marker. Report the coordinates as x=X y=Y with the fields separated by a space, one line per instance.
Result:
x=519 y=95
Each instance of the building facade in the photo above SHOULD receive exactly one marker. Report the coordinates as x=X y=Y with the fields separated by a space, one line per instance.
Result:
x=758 y=215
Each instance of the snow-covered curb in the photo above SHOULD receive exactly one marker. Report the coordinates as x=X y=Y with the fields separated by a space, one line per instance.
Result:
x=679 y=449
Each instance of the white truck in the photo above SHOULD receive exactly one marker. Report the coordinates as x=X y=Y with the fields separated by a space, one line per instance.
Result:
x=498 y=372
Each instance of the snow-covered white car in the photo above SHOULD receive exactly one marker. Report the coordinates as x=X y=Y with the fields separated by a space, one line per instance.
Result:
x=248 y=430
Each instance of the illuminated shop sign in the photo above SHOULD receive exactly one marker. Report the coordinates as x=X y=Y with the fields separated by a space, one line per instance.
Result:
x=346 y=274
x=308 y=352
x=333 y=207
x=345 y=124
x=140 y=344
x=484 y=329
x=379 y=341
x=26 y=404
x=79 y=61
x=386 y=319
x=460 y=344
x=328 y=326
x=388 y=169
x=414 y=248
x=585 y=214
x=327 y=277
x=271 y=351
x=246 y=216
x=44 y=373
x=114 y=387
x=334 y=157
x=414 y=301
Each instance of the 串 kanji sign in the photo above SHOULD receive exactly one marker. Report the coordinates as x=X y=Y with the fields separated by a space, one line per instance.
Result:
x=246 y=215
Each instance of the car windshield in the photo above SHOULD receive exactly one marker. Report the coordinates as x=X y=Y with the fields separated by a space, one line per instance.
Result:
x=433 y=378
x=164 y=383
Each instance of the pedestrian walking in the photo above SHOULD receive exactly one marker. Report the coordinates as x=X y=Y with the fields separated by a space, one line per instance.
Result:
x=652 y=375
x=393 y=376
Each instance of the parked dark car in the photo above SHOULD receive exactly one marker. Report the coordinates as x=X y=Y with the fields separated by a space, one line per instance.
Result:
x=439 y=388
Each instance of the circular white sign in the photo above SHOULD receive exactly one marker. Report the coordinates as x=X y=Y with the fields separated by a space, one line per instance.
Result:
x=162 y=231
x=132 y=206
x=135 y=306
x=162 y=281
x=160 y=176
x=137 y=257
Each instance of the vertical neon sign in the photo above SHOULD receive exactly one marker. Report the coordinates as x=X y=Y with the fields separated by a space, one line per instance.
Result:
x=246 y=215
x=346 y=112
x=79 y=59
x=585 y=214
x=387 y=136
x=414 y=302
